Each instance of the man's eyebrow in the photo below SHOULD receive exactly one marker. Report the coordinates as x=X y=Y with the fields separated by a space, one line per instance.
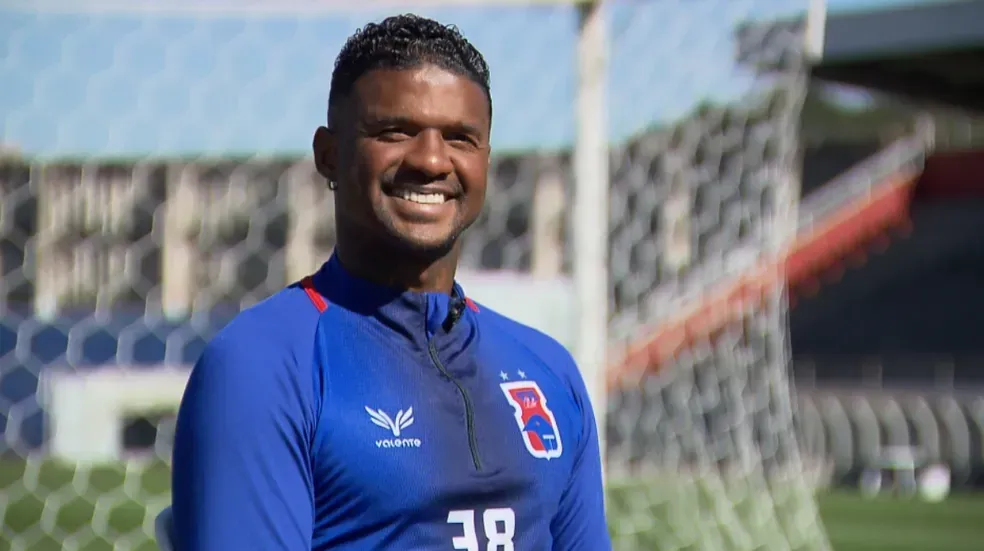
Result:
x=373 y=120
x=466 y=128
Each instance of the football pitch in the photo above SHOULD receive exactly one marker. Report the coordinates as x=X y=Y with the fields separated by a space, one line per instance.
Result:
x=49 y=507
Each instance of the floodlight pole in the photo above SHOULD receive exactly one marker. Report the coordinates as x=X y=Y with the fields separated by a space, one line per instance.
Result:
x=590 y=216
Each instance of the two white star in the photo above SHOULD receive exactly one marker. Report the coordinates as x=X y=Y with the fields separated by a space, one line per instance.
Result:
x=505 y=376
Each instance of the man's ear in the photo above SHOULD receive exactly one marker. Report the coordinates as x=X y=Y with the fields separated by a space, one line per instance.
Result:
x=324 y=153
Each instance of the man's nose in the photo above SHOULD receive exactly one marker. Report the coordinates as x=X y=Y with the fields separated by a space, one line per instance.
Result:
x=429 y=155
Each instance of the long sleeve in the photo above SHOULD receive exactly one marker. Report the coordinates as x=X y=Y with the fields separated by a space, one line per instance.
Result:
x=242 y=471
x=580 y=522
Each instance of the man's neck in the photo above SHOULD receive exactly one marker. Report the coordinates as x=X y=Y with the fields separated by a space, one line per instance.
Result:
x=400 y=270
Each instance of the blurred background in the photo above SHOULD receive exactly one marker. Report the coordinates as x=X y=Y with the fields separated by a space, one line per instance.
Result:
x=782 y=334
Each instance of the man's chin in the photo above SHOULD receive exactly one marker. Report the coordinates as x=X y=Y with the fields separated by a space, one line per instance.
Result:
x=425 y=244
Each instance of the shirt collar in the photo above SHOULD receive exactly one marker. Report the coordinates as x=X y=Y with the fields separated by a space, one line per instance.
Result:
x=407 y=312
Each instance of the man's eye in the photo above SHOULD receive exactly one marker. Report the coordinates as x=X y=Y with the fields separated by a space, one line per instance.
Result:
x=394 y=134
x=460 y=139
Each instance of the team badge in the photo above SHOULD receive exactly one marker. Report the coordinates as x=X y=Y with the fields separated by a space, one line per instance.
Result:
x=536 y=422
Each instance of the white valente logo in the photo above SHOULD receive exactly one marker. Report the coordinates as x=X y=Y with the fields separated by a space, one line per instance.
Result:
x=403 y=420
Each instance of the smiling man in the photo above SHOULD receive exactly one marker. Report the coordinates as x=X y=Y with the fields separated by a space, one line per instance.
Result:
x=373 y=406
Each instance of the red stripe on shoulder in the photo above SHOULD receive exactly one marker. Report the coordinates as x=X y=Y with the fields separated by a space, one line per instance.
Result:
x=471 y=304
x=319 y=301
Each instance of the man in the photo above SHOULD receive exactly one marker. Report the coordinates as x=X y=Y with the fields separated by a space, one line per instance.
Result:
x=373 y=406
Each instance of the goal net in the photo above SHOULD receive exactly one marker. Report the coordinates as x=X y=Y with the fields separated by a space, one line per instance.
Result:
x=701 y=433
x=155 y=178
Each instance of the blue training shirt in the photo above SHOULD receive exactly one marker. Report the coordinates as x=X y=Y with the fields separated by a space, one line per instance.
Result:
x=342 y=415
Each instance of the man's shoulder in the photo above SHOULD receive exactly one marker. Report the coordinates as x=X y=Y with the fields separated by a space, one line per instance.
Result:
x=259 y=362
x=547 y=349
x=282 y=325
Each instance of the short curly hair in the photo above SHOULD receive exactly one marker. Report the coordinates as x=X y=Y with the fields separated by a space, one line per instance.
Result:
x=403 y=42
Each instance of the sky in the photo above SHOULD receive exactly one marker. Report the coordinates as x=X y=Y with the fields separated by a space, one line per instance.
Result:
x=96 y=81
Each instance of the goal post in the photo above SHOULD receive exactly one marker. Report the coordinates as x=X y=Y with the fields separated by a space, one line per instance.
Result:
x=590 y=211
x=644 y=169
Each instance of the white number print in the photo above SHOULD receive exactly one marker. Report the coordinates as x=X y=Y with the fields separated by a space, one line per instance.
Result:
x=499 y=525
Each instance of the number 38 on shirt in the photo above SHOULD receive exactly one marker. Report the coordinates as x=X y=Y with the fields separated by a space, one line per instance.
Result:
x=499 y=525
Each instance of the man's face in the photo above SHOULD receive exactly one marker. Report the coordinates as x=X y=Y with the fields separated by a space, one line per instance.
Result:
x=410 y=156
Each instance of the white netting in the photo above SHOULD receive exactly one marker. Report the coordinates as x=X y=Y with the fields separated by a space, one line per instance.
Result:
x=162 y=183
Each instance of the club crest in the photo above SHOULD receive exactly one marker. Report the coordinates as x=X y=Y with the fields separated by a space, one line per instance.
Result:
x=535 y=420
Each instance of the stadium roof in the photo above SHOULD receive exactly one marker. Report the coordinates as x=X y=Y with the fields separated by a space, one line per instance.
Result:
x=932 y=51
x=113 y=78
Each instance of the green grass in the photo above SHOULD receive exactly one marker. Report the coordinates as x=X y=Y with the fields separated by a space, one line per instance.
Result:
x=857 y=524
x=46 y=506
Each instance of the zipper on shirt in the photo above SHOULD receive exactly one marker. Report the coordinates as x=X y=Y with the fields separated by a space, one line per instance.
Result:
x=469 y=410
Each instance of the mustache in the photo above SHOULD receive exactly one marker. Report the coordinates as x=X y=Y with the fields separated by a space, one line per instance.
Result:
x=413 y=180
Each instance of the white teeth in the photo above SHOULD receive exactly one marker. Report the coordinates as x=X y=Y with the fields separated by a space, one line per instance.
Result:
x=423 y=198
